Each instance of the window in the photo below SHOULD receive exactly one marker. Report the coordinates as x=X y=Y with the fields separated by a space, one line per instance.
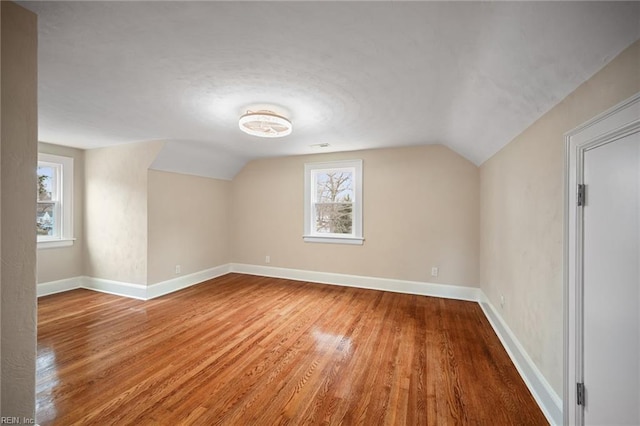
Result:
x=333 y=202
x=54 y=204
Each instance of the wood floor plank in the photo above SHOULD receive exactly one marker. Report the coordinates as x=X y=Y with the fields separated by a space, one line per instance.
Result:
x=248 y=350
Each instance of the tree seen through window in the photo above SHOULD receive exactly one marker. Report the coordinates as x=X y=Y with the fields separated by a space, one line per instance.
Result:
x=334 y=202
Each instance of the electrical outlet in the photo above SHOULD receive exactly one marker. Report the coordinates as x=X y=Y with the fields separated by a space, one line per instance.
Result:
x=434 y=271
x=502 y=300
x=267 y=259
x=178 y=269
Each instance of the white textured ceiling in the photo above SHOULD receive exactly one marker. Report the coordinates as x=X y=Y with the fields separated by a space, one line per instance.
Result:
x=355 y=75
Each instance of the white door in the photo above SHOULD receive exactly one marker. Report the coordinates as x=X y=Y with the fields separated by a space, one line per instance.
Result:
x=611 y=283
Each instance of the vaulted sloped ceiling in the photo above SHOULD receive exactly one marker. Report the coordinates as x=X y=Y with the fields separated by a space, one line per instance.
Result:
x=356 y=75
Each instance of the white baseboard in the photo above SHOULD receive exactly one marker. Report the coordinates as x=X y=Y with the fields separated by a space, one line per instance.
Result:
x=59 y=286
x=184 y=281
x=119 y=288
x=371 y=283
x=548 y=400
x=146 y=292
x=135 y=291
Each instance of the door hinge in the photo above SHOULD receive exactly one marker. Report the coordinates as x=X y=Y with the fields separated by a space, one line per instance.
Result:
x=582 y=193
x=580 y=393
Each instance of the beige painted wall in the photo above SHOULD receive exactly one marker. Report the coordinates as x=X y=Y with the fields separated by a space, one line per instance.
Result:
x=66 y=262
x=522 y=215
x=18 y=146
x=188 y=224
x=115 y=214
x=421 y=209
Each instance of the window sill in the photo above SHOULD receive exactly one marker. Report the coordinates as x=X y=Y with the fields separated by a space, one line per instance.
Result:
x=49 y=244
x=333 y=240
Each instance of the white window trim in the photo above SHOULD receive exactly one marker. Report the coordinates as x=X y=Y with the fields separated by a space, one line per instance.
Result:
x=65 y=239
x=309 y=235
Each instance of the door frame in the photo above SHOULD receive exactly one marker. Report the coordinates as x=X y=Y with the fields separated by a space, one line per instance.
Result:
x=613 y=124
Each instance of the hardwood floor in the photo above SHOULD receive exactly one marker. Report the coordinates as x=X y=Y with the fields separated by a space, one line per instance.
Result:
x=245 y=350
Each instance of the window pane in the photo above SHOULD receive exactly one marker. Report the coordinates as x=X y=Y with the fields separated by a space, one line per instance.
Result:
x=334 y=218
x=46 y=183
x=45 y=219
x=333 y=202
x=334 y=186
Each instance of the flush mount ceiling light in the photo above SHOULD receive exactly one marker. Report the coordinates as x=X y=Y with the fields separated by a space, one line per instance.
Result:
x=265 y=124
